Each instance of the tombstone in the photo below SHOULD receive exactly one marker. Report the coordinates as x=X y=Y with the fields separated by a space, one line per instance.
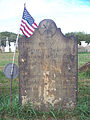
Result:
x=12 y=46
x=7 y=45
x=48 y=68
x=87 y=48
x=81 y=49
x=83 y=43
x=0 y=42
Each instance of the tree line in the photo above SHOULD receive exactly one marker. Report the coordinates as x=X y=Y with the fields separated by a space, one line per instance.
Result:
x=11 y=37
x=80 y=36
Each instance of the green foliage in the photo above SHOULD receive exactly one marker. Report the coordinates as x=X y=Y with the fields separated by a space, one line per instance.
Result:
x=11 y=37
x=87 y=38
x=84 y=74
x=80 y=36
x=82 y=110
x=26 y=111
x=2 y=76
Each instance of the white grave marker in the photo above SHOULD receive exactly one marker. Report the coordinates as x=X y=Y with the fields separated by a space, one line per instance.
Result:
x=12 y=46
x=7 y=45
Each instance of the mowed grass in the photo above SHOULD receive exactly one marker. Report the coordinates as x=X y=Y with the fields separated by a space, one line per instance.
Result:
x=6 y=58
x=83 y=58
x=27 y=112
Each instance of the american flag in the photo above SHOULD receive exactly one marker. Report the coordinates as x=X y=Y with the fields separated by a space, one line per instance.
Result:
x=28 y=24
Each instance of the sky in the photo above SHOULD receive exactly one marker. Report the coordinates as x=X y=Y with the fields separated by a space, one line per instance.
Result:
x=69 y=15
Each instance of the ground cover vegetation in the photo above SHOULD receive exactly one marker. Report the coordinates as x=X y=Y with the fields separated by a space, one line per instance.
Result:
x=27 y=112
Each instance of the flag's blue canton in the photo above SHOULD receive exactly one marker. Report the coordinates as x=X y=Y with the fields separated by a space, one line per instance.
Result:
x=28 y=17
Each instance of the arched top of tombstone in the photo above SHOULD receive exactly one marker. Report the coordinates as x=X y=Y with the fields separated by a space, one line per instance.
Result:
x=47 y=30
x=47 y=27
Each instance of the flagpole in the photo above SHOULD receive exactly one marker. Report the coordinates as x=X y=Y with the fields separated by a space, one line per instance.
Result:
x=12 y=68
x=15 y=51
x=16 y=45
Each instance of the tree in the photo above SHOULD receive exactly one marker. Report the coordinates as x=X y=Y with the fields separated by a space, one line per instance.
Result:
x=11 y=37
x=87 y=37
x=80 y=36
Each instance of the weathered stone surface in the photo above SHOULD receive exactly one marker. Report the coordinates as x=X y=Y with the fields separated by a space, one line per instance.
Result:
x=48 y=68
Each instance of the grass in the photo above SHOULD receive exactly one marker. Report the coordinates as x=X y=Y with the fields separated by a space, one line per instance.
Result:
x=6 y=58
x=83 y=58
x=27 y=112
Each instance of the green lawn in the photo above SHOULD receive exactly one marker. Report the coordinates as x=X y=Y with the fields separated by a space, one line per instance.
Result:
x=6 y=58
x=83 y=58
x=27 y=112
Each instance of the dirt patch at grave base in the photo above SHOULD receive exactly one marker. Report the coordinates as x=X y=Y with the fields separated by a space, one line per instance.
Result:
x=85 y=67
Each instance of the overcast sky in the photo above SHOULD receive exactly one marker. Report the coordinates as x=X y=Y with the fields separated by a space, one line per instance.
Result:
x=69 y=15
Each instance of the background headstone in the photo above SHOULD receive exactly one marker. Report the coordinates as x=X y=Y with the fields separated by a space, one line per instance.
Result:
x=87 y=48
x=12 y=46
x=81 y=49
x=83 y=43
x=48 y=68
x=7 y=45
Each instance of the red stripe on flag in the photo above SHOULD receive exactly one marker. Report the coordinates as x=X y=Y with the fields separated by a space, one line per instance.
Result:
x=27 y=26
x=23 y=32
x=33 y=27
x=26 y=30
x=35 y=24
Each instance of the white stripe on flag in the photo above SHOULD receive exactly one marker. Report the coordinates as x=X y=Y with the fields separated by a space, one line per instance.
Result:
x=24 y=32
x=34 y=25
x=24 y=26
x=25 y=22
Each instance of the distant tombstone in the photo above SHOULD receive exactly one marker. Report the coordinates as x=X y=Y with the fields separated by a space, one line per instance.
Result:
x=87 y=48
x=7 y=45
x=48 y=68
x=81 y=49
x=12 y=46
x=0 y=42
x=83 y=43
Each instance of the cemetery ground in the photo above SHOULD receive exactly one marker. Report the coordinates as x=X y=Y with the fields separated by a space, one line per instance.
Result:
x=27 y=112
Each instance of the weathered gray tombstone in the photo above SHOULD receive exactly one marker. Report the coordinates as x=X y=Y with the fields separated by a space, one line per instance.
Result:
x=48 y=68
